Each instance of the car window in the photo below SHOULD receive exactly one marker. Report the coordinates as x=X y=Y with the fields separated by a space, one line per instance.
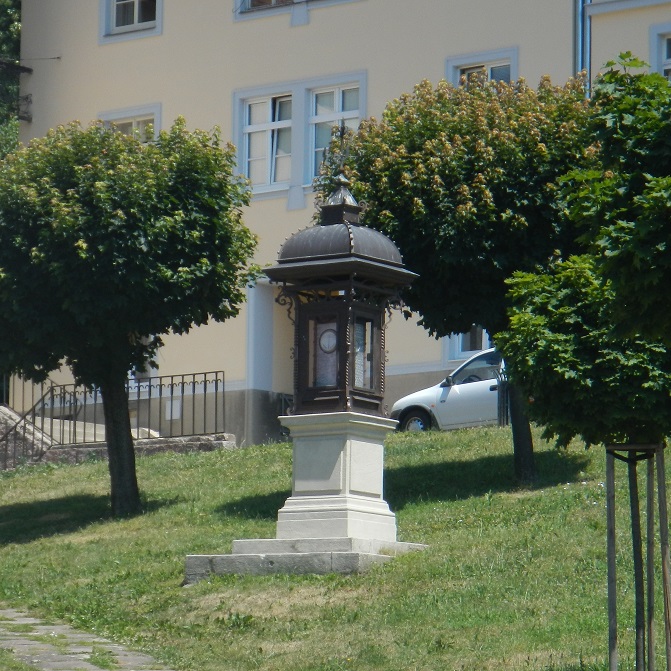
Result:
x=484 y=367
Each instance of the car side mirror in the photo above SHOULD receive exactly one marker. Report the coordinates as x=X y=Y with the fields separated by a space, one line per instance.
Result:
x=447 y=382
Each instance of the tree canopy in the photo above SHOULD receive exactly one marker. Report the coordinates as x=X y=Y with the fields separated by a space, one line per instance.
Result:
x=624 y=201
x=10 y=28
x=106 y=244
x=10 y=33
x=463 y=179
x=584 y=379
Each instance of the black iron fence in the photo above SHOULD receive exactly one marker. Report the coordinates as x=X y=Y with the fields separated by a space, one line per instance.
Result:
x=35 y=417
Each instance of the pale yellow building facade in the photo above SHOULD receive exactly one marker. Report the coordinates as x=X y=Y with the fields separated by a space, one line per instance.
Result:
x=275 y=75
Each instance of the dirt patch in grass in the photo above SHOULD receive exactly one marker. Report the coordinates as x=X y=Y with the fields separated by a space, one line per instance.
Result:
x=276 y=602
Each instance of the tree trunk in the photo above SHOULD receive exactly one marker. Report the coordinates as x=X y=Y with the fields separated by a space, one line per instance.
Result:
x=120 y=449
x=523 y=446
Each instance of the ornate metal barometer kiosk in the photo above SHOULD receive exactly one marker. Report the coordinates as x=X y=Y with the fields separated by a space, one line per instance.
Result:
x=337 y=280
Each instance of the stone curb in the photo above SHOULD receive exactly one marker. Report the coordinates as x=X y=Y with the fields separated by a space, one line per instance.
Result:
x=29 y=639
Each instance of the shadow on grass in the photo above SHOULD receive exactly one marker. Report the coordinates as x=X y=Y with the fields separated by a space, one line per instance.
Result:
x=442 y=481
x=262 y=507
x=26 y=522
x=456 y=480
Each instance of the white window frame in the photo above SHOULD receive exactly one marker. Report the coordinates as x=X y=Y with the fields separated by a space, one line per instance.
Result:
x=660 y=45
x=337 y=117
x=110 y=32
x=455 y=65
x=269 y=129
x=134 y=115
x=302 y=129
x=298 y=9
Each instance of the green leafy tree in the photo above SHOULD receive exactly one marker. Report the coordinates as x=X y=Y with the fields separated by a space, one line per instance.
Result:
x=9 y=137
x=463 y=179
x=106 y=244
x=585 y=380
x=10 y=33
x=10 y=28
x=626 y=200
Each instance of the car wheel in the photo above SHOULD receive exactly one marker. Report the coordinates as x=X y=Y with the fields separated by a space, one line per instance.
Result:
x=416 y=420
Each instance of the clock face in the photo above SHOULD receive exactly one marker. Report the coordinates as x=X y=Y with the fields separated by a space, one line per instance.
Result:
x=327 y=341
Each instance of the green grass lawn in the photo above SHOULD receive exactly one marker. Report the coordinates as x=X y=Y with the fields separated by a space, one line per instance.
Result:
x=512 y=579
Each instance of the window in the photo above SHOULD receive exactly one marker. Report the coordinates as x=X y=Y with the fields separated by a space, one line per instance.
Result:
x=466 y=344
x=133 y=14
x=125 y=19
x=267 y=143
x=323 y=354
x=493 y=72
x=499 y=65
x=299 y=9
x=472 y=340
x=144 y=122
x=666 y=61
x=660 y=49
x=142 y=127
x=258 y=4
x=331 y=107
x=282 y=132
x=485 y=367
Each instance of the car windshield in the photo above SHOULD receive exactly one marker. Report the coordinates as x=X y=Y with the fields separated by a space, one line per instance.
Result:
x=483 y=367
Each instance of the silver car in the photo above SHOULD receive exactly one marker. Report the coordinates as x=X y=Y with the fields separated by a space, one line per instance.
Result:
x=467 y=397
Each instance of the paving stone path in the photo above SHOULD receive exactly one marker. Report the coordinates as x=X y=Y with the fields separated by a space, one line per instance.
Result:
x=58 y=647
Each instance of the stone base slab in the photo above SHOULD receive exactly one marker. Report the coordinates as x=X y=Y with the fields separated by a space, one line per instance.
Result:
x=296 y=556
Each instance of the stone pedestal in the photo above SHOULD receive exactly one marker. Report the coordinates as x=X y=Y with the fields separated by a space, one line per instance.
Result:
x=336 y=519
x=337 y=478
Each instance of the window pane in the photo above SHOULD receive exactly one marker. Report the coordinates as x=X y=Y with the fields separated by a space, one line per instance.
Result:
x=145 y=129
x=472 y=340
x=125 y=127
x=467 y=72
x=256 y=145
x=323 y=354
x=668 y=48
x=256 y=171
x=282 y=153
x=484 y=367
x=125 y=13
x=323 y=135
x=282 y=169
x=319 y=159
x=260 y=3
x=500 y=73
x=363 y=353
x=257 y=113
x=284 y=141
x=324 y=102
x=350 y=100
x=147 y=11
x=282 y=111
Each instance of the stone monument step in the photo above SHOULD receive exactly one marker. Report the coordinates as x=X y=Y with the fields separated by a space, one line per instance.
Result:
x=266 y=556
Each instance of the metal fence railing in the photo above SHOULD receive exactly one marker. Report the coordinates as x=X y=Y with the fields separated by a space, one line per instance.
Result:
x=34 y=417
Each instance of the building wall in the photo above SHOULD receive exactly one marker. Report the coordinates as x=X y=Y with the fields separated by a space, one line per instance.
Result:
x=627 y=25
x=205 y=58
